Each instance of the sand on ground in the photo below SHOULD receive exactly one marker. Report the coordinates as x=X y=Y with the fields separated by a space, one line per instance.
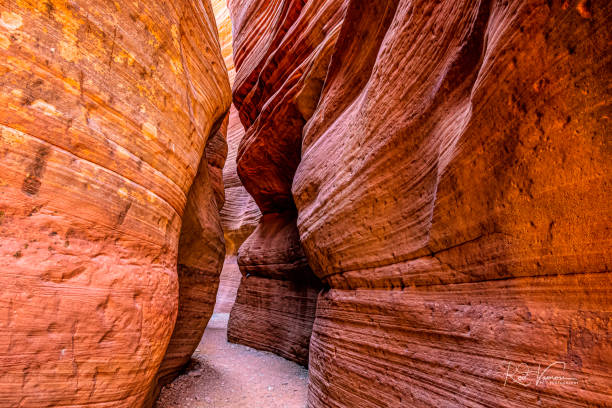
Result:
x=225 y=375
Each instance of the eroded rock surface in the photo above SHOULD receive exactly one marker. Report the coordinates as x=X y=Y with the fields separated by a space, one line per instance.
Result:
x=200 y=259
x=276 y=300
x=450 y=165
x=240 y=215
x=105 y=112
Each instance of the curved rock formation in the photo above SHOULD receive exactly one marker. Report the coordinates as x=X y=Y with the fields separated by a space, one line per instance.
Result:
x=105 y=111
x=450 y=165
x=239 y=215
x=276 y=301
x=281 y=50
x=200 y=259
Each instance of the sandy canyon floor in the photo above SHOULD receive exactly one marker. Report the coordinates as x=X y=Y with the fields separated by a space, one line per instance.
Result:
x=225 y=375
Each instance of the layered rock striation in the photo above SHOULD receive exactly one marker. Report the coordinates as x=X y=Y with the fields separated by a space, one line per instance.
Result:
x=281 y=50
x=450 y=166
x=106 y=110
x=201 y=253
x=239 y=215
x=276 y=301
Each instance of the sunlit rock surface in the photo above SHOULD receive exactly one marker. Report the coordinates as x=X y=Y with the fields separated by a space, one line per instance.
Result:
x=228 y=285
x=105 y=112
x=450 y=165
x=200 y=259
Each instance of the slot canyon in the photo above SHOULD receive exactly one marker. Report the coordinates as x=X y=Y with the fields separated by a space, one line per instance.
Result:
x=305 y=203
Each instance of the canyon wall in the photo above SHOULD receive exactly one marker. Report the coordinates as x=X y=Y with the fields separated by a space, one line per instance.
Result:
x=280 y=54
x=106 y=110
x=201 y=253
x=239 y=215
x=450 y=166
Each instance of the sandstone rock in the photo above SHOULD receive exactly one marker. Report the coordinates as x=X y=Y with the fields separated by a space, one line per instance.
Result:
x=276 y=301
x=105 y=111
x=270 y=80
x=224 y=27
x=200 y=259
x=229 y=280
x=274 y=307
x=454 y=204
x=274 y=250
x=274 y=315
x=450 y=165
x=239 y=215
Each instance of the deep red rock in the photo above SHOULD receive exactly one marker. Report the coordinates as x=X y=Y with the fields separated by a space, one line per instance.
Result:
x=274 y=315
x=450 y=167
x=105 y=112
x=273 y=94
x=276 y=300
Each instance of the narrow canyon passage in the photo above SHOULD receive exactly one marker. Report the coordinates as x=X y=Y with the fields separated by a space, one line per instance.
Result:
x=305 y=203
x=226 y=375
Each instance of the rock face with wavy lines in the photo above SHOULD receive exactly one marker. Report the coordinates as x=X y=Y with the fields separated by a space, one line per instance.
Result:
x=106 y=110
x=201 y=252
x=450 y=166
x=276 y=300
x=239 y=215
x=280 y=52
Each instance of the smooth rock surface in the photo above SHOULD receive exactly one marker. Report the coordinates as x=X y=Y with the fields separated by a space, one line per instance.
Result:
x=275 y=303
x=200 y=259
x=105 y=112
x=274 y=315
x=450 y=165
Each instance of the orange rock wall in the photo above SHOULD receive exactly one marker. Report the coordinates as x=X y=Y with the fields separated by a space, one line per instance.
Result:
x=450 y=165
x=105 y=112
x=200 y=259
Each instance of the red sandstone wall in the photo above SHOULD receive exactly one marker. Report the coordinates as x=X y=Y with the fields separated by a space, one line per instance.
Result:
x=279 y=60
x=239 y=215
x=105 y=112
x=450 y=165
